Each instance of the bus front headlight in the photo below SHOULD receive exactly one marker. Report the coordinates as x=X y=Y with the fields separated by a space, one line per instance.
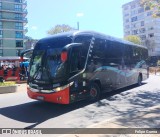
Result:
x=62 y=87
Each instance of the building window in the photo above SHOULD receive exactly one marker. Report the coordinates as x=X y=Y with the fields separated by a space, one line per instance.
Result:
x=142 y=23
x=19 y=25
x=127 y=33
x=134 y=19
x=134 y=32
x=133 y=12
x=1 y=52
x=127 y=20
x=19 y=43
x=133 y=6
x=1 y=24
x=1 y=33
x=140 y=10
x=150 y=28
x=151 y=35
x=140 y=17
x=149 y=13
x=19 y=34
x=19 y=1
x=126 y=8
x=18 y=16
x=126 y=14
x=134 y=25
x=143 y=37
x=1 y=43
x=18 y=7
x=0 y=4
x=127 y=27
x=142 y=30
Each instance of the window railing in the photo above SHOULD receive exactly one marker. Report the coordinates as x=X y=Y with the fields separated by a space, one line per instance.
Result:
x=15 y=19
x=21 y=10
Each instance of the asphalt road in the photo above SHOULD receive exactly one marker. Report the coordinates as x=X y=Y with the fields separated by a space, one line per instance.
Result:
x=17 y=110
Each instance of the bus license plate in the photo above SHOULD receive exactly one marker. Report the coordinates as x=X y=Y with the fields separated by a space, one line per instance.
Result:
x=40 y=98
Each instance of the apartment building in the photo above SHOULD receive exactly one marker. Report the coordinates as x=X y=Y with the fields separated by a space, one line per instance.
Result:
x=12 y=26
x=139 y=21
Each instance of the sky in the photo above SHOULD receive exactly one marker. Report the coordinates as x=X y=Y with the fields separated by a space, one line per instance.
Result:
x=103 y=16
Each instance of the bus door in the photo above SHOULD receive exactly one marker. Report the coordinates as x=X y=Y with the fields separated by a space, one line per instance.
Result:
x=78 y=61
x=76 y=65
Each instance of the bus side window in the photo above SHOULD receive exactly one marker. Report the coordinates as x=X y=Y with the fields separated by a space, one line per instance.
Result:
x=98 y=56
x=137 y=55
x=114 y=54
x=128 y=56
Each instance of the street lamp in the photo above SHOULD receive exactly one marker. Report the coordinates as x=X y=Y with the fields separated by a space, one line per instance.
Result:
x=79 y=15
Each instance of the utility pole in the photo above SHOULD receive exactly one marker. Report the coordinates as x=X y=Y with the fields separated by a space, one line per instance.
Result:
x=78 y=25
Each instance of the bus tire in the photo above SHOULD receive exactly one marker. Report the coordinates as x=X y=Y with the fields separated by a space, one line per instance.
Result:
x=94 y=92
x=139 y=81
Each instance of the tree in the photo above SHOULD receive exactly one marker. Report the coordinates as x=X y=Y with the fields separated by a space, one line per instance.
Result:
x=153 y=5
x=59 y=29
x=133 y=38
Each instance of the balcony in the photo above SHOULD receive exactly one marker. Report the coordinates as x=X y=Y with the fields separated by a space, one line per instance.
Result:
x=23 y=20
x=22 y=11
x=24 y=2
x=25 y=29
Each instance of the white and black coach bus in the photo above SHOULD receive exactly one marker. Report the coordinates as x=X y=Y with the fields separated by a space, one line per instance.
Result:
x=78 y=65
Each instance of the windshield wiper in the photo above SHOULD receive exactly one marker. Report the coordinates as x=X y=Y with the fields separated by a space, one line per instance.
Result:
x=36 y=73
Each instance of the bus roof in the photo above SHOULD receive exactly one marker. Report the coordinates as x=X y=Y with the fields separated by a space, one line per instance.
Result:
x=76 y=32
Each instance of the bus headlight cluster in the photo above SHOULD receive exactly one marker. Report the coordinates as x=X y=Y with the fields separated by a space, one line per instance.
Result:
x=63 y=87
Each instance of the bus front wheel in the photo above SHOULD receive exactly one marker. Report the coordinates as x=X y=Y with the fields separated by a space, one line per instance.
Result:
x=94 y=92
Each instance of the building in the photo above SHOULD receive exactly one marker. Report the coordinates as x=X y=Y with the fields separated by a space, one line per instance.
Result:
x=12 y=26
x=140 y=22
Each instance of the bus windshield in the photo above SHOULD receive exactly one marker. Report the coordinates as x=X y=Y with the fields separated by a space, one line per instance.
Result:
x=54 y=64
x=46 y=64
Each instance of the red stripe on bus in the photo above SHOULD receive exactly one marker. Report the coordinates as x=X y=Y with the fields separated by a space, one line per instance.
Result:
x=61 y=97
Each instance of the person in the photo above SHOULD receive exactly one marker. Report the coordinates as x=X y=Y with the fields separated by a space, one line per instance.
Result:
x=13 y=70
x=5 y=70
x=26 y=71
x=22 y=75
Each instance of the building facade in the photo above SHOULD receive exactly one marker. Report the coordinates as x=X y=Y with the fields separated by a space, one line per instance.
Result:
x=12 y=26
x=139 y=21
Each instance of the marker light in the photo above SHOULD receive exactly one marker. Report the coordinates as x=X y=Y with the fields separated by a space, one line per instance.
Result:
x=64 y=56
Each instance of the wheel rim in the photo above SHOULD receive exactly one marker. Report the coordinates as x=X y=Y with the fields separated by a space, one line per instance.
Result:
x=93 y=92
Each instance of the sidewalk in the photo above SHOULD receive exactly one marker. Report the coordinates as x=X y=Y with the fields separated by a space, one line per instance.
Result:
x=147 y=118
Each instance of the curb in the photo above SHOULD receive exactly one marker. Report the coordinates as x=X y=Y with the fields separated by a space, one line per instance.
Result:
x=8 y=89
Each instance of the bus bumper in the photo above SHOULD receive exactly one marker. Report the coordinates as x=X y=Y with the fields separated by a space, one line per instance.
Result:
x=61 y=97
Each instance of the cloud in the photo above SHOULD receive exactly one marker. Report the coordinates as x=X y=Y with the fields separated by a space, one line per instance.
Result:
x=34 y=27
x=80 y=14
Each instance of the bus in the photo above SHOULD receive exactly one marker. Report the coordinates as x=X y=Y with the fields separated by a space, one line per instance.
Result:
x=78 y=65
x=10 y=68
